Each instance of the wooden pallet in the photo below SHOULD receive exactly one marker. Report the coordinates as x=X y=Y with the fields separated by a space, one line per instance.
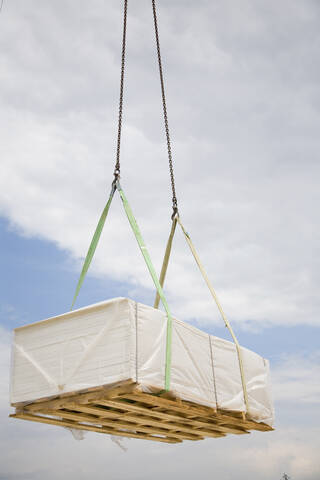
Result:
x=124 y=409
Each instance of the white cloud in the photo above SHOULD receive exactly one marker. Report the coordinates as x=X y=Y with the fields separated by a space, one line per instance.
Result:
x=288 y=451
x=242 y=98
x=296 y=380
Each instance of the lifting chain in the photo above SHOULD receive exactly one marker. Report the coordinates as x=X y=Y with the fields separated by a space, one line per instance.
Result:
x=165 y=114
x=164 y=104
x=123 y=57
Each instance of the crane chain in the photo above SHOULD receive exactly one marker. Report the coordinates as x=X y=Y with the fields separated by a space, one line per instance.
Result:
x=164 y=103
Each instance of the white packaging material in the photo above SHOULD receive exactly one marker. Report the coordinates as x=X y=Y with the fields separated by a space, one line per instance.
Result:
x=120 y=339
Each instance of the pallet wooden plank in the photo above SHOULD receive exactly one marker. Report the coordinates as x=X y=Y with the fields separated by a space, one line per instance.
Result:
x=103 y=393
x=161 y=402
x=187 y=425
x=111 y=431
x=186 y=422
x=184 y=409
x=135 y=419
x=120 y=423
x=202 y=415
x=124 y=406
x=136 y=407
x=176 y=422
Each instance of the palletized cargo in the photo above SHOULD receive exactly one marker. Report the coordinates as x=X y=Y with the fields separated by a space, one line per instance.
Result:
x=67 y=368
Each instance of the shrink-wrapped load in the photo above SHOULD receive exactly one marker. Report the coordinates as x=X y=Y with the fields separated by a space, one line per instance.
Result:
x=119 y=340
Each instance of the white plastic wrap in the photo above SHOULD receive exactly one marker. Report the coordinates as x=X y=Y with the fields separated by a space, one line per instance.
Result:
x=120 y=339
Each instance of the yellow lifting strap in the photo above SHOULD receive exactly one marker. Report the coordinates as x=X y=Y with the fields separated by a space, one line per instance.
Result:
x=175 y=220
x=166 y=260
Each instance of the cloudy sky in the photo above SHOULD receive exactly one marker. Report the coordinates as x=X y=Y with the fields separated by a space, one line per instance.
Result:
x=242 y=81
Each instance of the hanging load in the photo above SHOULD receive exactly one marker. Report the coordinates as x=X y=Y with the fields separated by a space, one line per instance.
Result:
x=105 y=364
x=123 y=368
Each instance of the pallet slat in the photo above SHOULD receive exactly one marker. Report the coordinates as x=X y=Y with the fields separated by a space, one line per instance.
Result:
x=118 y=423
x=123 y=409
x=187 y=423
x=110 y=431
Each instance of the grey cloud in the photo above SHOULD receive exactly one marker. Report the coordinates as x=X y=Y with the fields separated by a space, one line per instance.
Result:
x=243 y=99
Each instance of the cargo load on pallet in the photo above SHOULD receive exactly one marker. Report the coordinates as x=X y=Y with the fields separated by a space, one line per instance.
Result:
x=102 y=368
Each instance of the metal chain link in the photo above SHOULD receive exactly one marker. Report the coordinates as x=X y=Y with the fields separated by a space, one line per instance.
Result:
x=123 y=56
x=165 y=114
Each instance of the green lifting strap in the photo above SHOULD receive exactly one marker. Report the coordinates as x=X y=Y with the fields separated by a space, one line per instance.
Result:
x=147 y=259
x=93 y=244
x=152 y=271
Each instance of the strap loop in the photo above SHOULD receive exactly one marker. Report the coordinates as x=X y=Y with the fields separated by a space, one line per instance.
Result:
x=146 y=256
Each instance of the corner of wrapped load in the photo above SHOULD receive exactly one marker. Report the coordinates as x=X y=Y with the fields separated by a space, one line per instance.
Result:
x=150 y=345
x=257 y=376
x=75 y=351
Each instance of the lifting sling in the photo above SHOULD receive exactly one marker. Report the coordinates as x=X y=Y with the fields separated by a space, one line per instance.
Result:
x=175 y=220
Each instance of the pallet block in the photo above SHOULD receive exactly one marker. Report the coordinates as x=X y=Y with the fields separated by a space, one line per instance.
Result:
x=123 y=409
